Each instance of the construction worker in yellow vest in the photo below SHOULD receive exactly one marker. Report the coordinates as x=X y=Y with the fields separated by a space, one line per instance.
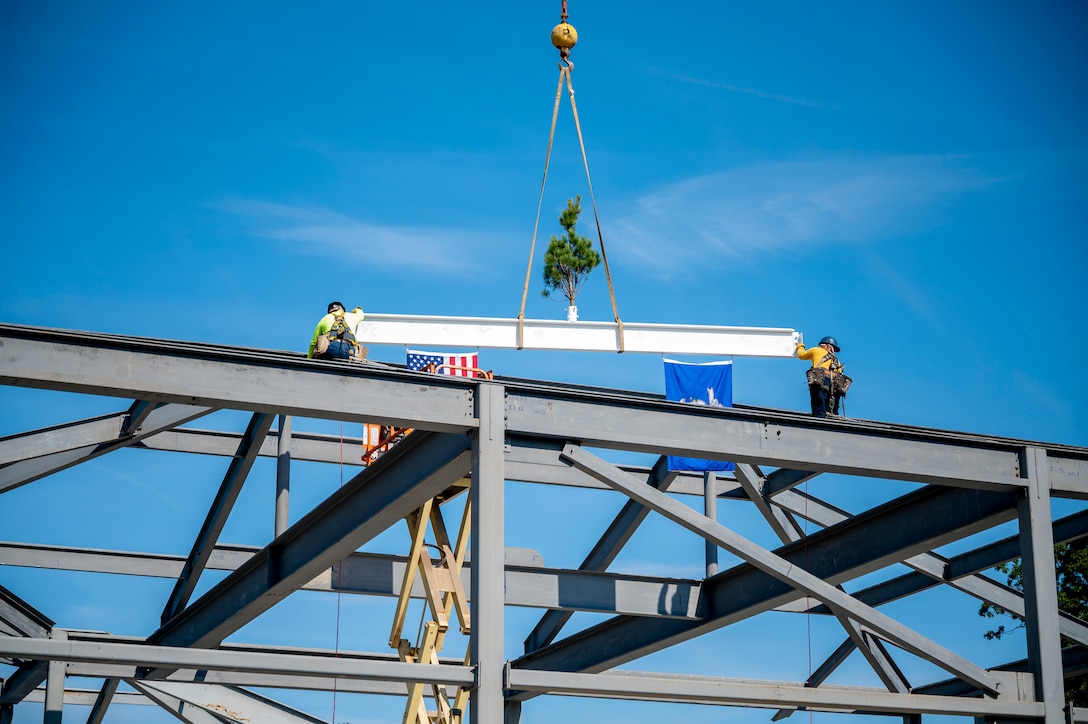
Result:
x=826 y=382
x=334 y=336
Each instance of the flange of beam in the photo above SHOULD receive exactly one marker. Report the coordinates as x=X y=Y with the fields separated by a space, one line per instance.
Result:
x=495 y=333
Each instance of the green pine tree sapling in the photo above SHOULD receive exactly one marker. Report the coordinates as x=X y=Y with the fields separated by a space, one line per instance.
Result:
x=569 y=259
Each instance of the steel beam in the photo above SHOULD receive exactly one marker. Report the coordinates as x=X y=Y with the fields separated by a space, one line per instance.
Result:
x=181 y=710
x=235 y=379
x=912 y=524
x=283 y=475
x=784 y=570
x=19 y=618
x=25 y=679
x=1040 y=583
x=1066 y=529
x=174 y=657
x=743 y=692
x=487 y=499
x=102 y=700
x=420 y=468
x=604 y=551
x=88 y=697
x=754 y=485
x=26 y=471
x=586 y=336
x=228 y=492
x=676 y=428
x=61 y=438
x=378 y=574
x=242 y=705
x=304 y=446
x=54 y=684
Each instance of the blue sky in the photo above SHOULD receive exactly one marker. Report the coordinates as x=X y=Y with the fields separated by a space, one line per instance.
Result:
x=909 y=177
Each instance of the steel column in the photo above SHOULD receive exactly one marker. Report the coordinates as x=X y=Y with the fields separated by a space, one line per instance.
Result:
x=710 y=509
x=1040 y=585
x=283 y=475
x=486 y=639
x=54 y=685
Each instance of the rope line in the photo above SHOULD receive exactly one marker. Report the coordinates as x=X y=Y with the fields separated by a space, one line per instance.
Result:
x=339 y=575
x=539 y=204
x=593 y=202
x=565 y=68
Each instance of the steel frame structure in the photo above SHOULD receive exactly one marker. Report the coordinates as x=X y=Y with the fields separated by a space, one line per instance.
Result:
x=494 y=432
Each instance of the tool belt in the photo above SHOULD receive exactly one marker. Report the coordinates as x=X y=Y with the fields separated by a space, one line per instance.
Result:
x=359 y=351
x=834 y=381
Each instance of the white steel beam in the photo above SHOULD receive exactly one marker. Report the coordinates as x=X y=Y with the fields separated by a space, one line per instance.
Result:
x=496 y=333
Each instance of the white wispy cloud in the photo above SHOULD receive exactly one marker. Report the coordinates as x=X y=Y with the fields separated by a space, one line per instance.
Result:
x=739 y=215
x=742 y=213
x=316 y=230
x=746 y=91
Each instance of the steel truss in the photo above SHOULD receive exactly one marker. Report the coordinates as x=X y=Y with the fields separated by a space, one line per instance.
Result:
x=494 y=432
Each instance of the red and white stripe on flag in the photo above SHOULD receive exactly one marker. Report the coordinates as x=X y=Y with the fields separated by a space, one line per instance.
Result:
x=462 y=365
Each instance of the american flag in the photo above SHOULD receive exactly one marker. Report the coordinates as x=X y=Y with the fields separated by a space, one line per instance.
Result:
x=418 y=359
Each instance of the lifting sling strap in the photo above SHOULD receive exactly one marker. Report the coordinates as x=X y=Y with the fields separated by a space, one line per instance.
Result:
x=565 y=68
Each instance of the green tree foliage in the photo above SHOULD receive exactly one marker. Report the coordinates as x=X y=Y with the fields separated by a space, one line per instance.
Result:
x=1071 y=570
x=569 y=259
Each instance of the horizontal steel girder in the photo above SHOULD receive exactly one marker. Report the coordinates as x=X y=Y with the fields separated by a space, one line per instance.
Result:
x=379 y=574
x=743 y=692
x=675 y=428
x=222 y=660
x=263 y=680
x=233 y=379
x=286 y=383
x=418 y=469
x=585 y=336
x=304 y=446
x=88 y=697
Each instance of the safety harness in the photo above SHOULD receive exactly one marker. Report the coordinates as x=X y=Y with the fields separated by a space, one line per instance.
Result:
x=340 y=331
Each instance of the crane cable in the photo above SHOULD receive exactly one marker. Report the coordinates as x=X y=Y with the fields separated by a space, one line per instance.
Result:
x=564 y=37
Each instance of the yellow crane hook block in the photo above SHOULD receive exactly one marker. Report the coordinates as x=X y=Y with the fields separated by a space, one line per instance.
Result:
x=564 y=37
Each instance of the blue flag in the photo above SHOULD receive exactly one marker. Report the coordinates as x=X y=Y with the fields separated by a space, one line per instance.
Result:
x=708 y=384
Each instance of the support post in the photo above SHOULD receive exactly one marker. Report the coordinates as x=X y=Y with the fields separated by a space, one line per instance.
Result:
x=283 y=473
x=1040 y=585
x=54 y=685
x=710 y=504
x=488 y=565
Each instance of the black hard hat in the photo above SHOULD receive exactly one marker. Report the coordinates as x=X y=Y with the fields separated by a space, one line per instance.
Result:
x=334 y=305
x=831 y=341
